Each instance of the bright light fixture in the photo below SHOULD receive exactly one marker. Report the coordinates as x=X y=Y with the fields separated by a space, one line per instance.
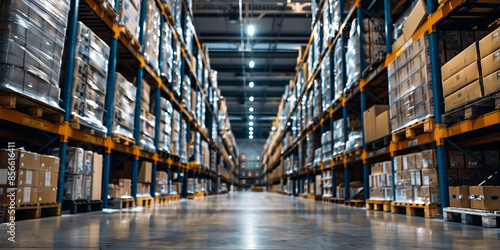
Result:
x=251 y=98
x=251 y=117
x=251 y=64
x=251 y=84
x=251 y=30
x=250 y=109
x=251 y=128
x=250 y=137
x=250 y=123
x=251 y=132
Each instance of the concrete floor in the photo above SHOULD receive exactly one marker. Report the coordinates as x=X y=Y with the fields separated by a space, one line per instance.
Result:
x=245 y=220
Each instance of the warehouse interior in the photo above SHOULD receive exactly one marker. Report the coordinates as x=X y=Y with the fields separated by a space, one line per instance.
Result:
x=250 y=124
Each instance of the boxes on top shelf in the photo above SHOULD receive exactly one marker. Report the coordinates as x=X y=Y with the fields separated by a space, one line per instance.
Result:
x=129 y=16
x=408 y=23
x=375 y=127
x=152 y=35
x=124 y=107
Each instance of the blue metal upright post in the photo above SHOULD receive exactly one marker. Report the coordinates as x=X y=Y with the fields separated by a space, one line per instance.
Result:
x=334 y=184
x=393 y=179
x=66 y=91
x=388 y=26
x=437 y=91
x=137 y=118
x=344 y=109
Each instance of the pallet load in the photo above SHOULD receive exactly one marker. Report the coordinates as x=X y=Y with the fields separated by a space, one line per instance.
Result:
x=381 y=181
x=147 y=120
x=167 y=54
x=152 y=35
x=162 y=185
x=376 y=123
x=31 y=60
x=327 y=184
x=89 y=77
x=129 y=19
x=165 y=131
x=124 y=110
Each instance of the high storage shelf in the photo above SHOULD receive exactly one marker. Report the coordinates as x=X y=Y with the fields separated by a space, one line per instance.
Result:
x=130 y=52
x=372 y=87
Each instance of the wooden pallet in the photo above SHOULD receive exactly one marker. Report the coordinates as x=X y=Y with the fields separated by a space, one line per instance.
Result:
x=315 y=197
x=74 y=122
x=379 y=143
x=82 y=206
x=411 y=131
x=474 y=110
x=411 y=209
x=30 y=106
x=355 y=152
x=128 y=35
x=354 y=203
x=337 y=200
x=144 y=201
x=127 y=202
x=326 y=198
x=121 y=139
x=339 y=157
x=303 y=196
x=31 y=211
x=191 y=196
x=106 y=7
x=199 y=194
x=483 y=218
x=378 y=205
x=257 y=189
x=173 y=197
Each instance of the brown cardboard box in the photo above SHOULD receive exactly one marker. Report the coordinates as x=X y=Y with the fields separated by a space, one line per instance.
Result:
x=489 y=43
x=87 y=162
x=161 y=178
x=415 y=178
x=459 y=197
x=429 y=158
x=24 y=178
x=370 y=122
x=490 y=63
x=491 y=157
x=47 y=179
x=491 y=83
x=406 y=176
x=430 y=177
x=22 y=159
x=87 y=186
x=417 y=194
x=470 y=163
x=410 y=193
x=73 y=187
x=459 y=80
x=398 y=43
x=177 y=186
x=398 y=163
x=376 y=168
x=388 y=180
x=115 y=191
x=49 y=163
x=485 y=197
x=431 y=194
x=419 y=161
x=463 y=96
x=453 y=177
x=386 y=167
x=409 y=162
x=398 y=176
x=383 y=124
x=145 y=172
x=456 y=159
x=75 y=161
x=126 y=185
x=47 y=194
x=96 y=176
x=470 y=177
x=26 y=195
x=377 y=193
x=415 y=19
x=459 y=62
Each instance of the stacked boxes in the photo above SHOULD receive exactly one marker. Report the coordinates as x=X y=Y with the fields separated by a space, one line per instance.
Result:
x=381 y=181
x=327 y=184
x=124 y=107
x=167 y=53
x=89 y=77
x=410 y=85
x=339 y=82
x=32 y=35
x=489 y=47
x=416 y=178
x=338 y=137
x=152 y=35
x=176 y=73
x=147 y=120
x=469 y=171
x=326 y=144
x=129 y=16
x=408 y=23
x=144 y=178
x=165 y=134
x=162 y=182
x=326 y=84
x=376 y=122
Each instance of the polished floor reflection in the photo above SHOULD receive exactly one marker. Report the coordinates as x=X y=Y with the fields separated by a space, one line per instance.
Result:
x=245 y=220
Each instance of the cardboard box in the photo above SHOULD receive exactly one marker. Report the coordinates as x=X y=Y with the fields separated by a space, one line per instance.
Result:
x=409 y=162
x=386 y=167
x=429 y=158
x=489 y=43
x=376 y=168
x=47 y=179
x=453 y=177
x=430 y=177
x=463 y=96
x=491 y=157
x=470 y=163
x=490 y=63
x=419 y=161
x=87 y=162
x=461 y=79
x=398 y=43
x=388 y=180
x=459 y=62
x=491 y=83
x=22 y=159
x=417 y=194
x=459 y=197
x=370 y=122
x=24 y=178
x=115 y=191
x=74 y=161
x=431 y=194
x=26 y=195
x=49 y=163
x=398 y=177
x=470 y=177
x=383 y=124
x=398 y=163
x=145 y=172
x=161 y=178
x=456 y=159
x=73 y=187
x=484 y=197
x=415 y=178
x=415 y=19
x=377 y=192
x=96 y=177
x=46 y=194
x=126 y=185
x=87 y=186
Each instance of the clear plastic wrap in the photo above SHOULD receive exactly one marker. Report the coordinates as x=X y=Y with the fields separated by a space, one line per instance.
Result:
x=327 y=26
x=124 y=107
x=129 y=15
x=339 y=85
x=318 y=156
x=167 y=53
x=176 y=81
x=317 y=44
x=147 y=144
x=152 y=35
x=188 y=34
x=354 y=141
x=326 y=84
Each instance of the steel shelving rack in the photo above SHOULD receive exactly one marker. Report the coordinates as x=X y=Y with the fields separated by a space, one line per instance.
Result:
x=361 y=94
x=125 y=50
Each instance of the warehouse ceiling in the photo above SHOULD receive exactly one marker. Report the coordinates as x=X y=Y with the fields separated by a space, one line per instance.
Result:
x=280 y=29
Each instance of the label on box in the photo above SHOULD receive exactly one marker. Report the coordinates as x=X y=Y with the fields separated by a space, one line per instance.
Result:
x=405 y=163
x=426 y=180
x=412 y=143
x=27 y=193
x=496 y=56
x=29 y=177
x=468 y=113
x=380 y=151
x=370 y=154
x=47 y=179
x=407 y=44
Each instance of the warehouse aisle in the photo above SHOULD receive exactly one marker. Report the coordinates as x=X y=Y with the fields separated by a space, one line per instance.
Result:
x=247 y=221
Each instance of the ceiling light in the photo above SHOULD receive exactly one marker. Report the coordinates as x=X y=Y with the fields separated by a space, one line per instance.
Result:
x=251 y=128
x=250 y=137
x=251 y=117
x=251 y=132
x=251 y=98
x=288 y=1
x=251 y=64
x=251 y=84
x=250 y=109
x=250 y=123
x=251 y=30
